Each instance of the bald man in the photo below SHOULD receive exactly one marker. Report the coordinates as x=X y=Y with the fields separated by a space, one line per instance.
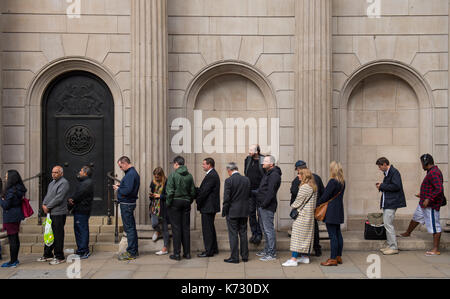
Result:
x=55 y=203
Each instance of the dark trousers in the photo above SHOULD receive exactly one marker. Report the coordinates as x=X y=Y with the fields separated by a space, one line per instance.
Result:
x=57 y=249
x=129 y=226
x=81 y=229
x=180 y=218
x=254 y=221
x=238 y=227
x=336 y=240
x=209 y=234
x=162 y=227
x=316 y=245
x=14 y=247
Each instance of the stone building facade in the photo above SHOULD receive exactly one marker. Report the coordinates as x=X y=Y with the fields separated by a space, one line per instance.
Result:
x=345 y=80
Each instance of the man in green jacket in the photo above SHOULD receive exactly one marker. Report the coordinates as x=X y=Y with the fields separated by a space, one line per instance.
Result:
x=180 y=190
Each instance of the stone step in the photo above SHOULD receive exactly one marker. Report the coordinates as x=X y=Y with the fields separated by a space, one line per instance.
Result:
x=37 y=248
x=353 y=241
x=35 y=229
x=401 y=224
x=94 y=220
x=34 y=238
x=3 y=241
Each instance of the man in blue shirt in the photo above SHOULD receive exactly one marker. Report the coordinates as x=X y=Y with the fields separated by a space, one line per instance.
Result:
x=127 y=195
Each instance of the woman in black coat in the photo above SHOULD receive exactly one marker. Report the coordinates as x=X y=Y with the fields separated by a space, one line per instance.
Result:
x=334 y=217
x=11 y=203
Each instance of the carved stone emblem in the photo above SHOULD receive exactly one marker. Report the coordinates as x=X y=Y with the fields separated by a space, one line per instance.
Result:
x=79 y=140
x=79 y=100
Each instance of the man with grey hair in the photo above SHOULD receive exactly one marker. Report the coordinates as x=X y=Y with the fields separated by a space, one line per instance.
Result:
x=55 y=203
x=254 y=171
x=235 y=209
x=266 y=200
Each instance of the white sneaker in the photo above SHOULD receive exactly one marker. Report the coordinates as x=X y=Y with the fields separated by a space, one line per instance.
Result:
x=261 y=253
x=155 y=237
x=267 y=258
x=385 y=249
x=290 y=263
x=304 y=260
x=390 y=251
x=55 y=261
x=162 y=252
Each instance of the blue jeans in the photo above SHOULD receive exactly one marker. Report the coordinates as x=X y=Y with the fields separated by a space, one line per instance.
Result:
x=81 y=228
x=129 y=226
x=336 y=240
x=268 y=229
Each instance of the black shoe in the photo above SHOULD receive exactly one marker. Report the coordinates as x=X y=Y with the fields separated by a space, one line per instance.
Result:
x=175 y=257
x=252 y=239
x=230 y=260
x=216 y=251
x=204 y=254
x=245 y=260
x=257 y=240
x=187 y=256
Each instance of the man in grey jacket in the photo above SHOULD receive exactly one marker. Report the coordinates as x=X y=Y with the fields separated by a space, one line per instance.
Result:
x=55 y=203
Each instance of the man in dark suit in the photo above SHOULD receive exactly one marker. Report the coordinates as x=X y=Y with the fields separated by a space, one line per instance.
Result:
x=392 y=198
x=236 y=209
x=294 y=191
x=208 y=203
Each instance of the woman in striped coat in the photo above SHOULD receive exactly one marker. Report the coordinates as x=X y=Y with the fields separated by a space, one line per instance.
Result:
x=302 y=238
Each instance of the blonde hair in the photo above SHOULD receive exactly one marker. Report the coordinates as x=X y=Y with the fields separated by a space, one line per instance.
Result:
x=336 y=172
x=308 y=178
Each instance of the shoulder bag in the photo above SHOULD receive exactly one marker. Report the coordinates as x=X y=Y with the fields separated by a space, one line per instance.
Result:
x=321 y=210
x=294 y=213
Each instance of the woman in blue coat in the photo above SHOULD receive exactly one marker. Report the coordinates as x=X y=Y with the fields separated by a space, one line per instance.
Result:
x=11 y=202
x=334 y=217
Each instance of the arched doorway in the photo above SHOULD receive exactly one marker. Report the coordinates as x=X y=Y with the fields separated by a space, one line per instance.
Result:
x=382 y=98
x=78 y=130
x=383 y=121
x=231 y=97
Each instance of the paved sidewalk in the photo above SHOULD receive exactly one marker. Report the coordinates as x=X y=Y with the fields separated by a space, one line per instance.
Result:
x=407 y=264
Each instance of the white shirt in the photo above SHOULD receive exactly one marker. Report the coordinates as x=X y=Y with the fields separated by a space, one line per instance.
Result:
x=386 y=173
x=209 y=171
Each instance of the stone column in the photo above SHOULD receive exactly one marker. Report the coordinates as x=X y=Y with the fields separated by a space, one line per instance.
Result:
x=313 y=83
x=149 y=94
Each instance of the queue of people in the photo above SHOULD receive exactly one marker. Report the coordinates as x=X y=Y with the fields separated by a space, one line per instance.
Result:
x=250 y=197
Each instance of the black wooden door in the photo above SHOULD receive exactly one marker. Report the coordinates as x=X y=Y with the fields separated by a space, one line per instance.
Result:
x=78 y=130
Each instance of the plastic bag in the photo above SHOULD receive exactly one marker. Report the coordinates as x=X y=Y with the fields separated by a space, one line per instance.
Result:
x=49 y=238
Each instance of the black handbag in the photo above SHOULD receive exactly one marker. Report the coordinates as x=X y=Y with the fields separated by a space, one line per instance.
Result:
x=294 y=214
x=372 y=232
